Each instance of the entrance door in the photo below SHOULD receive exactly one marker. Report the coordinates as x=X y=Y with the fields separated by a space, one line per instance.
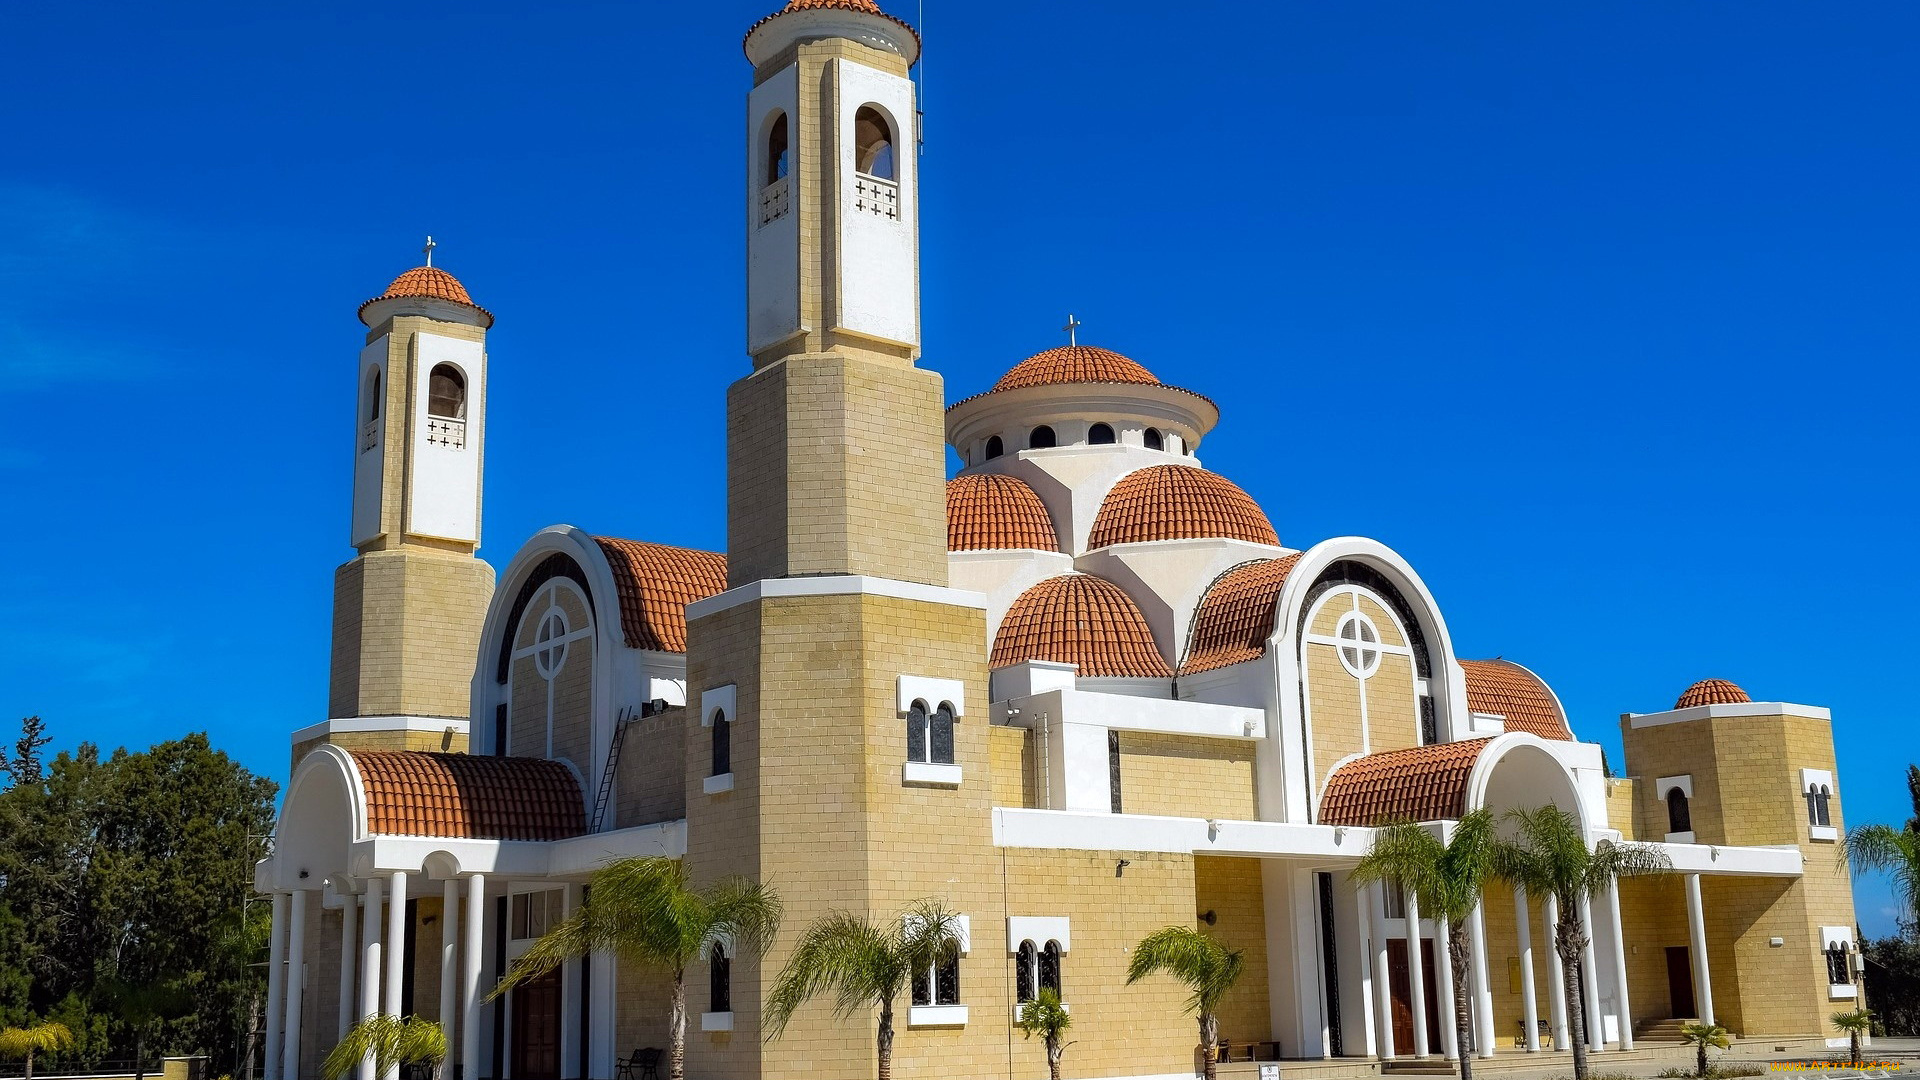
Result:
x=1680 y=983
x=536 y=1029
x=1400 y=983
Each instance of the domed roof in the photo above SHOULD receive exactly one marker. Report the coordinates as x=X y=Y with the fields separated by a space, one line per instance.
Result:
x=656 y=583
x=1504 y=688
x=478 y=796
x=864 y=7
x=987 y=511
x=1178 y=502
x=1712 y=692
x=1082 y=620
x=428 y=282
x=1420 y=783
x=1235 y=617
x=1074 y=364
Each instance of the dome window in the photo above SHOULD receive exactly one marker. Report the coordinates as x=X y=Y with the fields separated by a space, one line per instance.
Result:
x=995 y=448
x=1100 y=435
x=1041 y=438
x=873 y=144
x=1153 y=439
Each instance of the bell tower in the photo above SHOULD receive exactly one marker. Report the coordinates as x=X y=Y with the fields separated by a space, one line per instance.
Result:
x=409 y=606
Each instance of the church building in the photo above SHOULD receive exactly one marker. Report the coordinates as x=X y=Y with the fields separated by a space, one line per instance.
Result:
x=1079 y=691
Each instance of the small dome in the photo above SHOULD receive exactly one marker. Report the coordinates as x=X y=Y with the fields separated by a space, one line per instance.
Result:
x=656 y=583
x=430 y=283
x=1504 y=688
x=986 y=511
x=1178 y=502
x=1235 y=617
x=1074 y=364
x=1712 y=692
x=867 y=6
x=863 y=7
x=1082 y=620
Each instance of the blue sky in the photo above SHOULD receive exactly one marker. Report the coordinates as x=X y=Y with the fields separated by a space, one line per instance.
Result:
x=1603 y=314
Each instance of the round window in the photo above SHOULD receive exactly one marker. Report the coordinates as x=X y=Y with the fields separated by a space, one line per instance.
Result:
x=550 y=647
x=1359 y=644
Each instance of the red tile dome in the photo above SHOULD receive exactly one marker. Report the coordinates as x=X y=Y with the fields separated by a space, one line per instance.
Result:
x=867 y=6
x=1074 y=364
x=1235 y=617
x=1421 y=783
x=1712 y=692
x=477 y=796
x=1504 y=688
x=1082 y=620
x=656 y=583
x=1178 y=502
x=986 y=511
x=428 y=282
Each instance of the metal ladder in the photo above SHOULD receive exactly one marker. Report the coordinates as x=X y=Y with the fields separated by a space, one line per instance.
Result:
x=625 y=720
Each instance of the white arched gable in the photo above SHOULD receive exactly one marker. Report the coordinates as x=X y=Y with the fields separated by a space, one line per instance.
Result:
x=1520 y=769
x=324 y=815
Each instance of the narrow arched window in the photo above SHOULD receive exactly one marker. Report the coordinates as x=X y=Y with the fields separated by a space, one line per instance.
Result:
x=917 y=717
x=873 y=144
x=373 y=394
x=1100 y=434
x=1679 y=814
x=1040 y=438
x=940 y=735
x=777 y=150
x=1823 y=815
x=1153 y=439
x=995 y=448
x=1050 y=967
x=719 y=980
x=1026 y=972
x=722 y=750
x=447 y=393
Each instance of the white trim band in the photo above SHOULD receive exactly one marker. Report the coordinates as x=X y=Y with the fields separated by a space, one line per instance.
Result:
x=834 y=585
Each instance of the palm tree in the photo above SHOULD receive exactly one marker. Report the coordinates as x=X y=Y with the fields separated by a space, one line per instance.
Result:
x=48 y=1038
x=863 y=966
x=1854 y=1024
x=1883 y=849
x=1046 y=1017
x=392 y=1041
x=1448 y=878
x=1207 y=967
x=1550 y=857
x=1701 y=1036
x=646 y=911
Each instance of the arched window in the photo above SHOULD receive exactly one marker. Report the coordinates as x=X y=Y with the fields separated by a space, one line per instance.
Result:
x=1679 y=814
x=1026 y=972
x=777 y=148
x=1837 y=973
x=722 y=751
x=1822 y=813
x=1050 y=967
x=995 y=448
x=1100 y=434
x=447 y=393
x=917 y=732
x=373 y=394
x=1154 y=440
x=1041 y=438
x=930 y=734
x=873 y=144
x=719 y=980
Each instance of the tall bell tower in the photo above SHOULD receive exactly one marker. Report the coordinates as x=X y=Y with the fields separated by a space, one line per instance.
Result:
x=838 y=621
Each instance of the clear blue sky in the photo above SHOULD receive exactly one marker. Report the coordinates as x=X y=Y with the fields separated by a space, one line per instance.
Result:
x=1604 y=315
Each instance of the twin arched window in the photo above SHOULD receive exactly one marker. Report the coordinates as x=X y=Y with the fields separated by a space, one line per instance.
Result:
x=1679 y=813
x=1037 y=969
x=1819 y=809
x=447 y=393
x=778 y=149
x=930 y=734
x=873 y=144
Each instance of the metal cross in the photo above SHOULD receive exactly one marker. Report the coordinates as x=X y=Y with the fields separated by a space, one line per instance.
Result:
x=428 y=250
x=1073 y=330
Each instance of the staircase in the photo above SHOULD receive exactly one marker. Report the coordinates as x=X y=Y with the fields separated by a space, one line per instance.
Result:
x=1667 y=1031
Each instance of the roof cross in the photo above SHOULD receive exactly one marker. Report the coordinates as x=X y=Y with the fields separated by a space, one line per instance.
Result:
x=1073 y=330
x=428 y=250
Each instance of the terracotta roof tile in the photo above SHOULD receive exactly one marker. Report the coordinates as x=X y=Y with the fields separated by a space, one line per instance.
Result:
x=1178 y=502
x=430 y=282
x=1235 y=617
x=1074 y=364
x=1712 y=692
x=410 y=793
x=1422 y=783
x=1084 y=620
x=1506 y=689
x=865 y=7
x=987 y=511
x=656 y=584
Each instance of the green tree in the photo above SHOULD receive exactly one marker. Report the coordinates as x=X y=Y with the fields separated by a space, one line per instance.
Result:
x=1549 y=856
x=1448 y=878
x=648 y=913
x=1883 y=849
x=391 y=1041
x=1046 y=1017
x=1855 y=1024
x=1701 y=1036
x=25 y=1042
x=25 y=766
x=140 y=1006
x=1208 y=968
x=864 y=966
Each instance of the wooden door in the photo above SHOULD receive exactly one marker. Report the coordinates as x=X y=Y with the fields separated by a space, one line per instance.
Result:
x=1680 y=983
x=536 y=1029
x=1400 y=984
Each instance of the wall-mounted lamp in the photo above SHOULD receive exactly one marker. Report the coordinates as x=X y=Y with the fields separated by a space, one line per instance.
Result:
x=1209 y=917
x=303 y=875
x=1120 y=868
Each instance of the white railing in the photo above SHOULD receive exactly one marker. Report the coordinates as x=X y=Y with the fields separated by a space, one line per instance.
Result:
x=775 y=201
x=446 y=431
x=875 y=196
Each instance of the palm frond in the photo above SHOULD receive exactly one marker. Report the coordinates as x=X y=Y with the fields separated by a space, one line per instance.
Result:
x=1705 y=1035
x=747 y=912
x=1044 y=1015
x=1207 y=967
x=841 y=954
x=46 y=1038
x=928 y=935
x=390 y=1041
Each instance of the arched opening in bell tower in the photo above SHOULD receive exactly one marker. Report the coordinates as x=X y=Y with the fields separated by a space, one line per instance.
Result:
x=778 y=148
x=447 y=393
x=873 y=144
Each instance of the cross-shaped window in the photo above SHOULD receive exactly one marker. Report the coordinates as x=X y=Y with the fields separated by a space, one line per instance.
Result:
x=1358 y=637
x=550 y=646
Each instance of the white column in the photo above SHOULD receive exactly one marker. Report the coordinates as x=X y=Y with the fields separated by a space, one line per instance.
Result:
x=1557 y=993
x=396 y=960
x=571 y=1052
x=450 y=964
x=1697 y=930
x=349 y=952
x=1620 y=966
x=296 y=970
x=370 y=963
x=1382 y=981
x=1590 y=981
x=1482 y=993
x=475 y=962
x=1416 y=975
x=276 y=984
x=1529 y=1010
x=1443 y=989
x=1363 y=920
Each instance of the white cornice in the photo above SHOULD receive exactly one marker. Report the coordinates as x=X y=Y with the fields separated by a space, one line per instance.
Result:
x=1748 y=708
x=834 y=585
x=359 y=724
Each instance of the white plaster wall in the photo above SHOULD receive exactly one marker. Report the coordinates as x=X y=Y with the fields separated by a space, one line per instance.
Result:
x=369 y=465
x=773 y=250
x=879 y=257
x=1002 y=576
x=1168 y=577
x=444 y=497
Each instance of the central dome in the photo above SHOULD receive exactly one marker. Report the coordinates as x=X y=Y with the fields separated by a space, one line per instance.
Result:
x=1082 y=620
x=1075 y=364
x=1178 y=502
